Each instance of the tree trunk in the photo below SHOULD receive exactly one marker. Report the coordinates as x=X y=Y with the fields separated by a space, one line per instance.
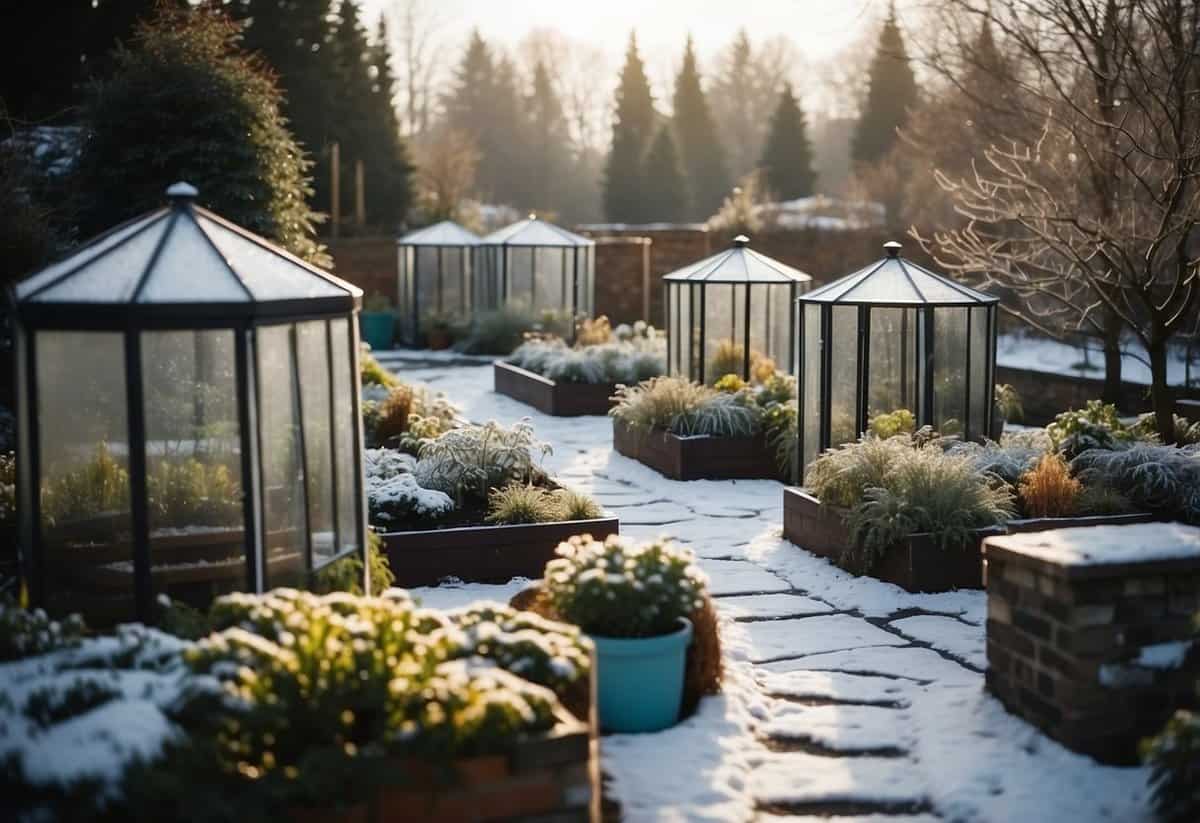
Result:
x=1161 y=394
x=1112 y=360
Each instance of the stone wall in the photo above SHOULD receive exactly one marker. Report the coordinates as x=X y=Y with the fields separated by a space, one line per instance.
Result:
x=1062 y=643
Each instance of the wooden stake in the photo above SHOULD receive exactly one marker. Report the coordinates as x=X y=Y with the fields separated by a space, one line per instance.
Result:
x=335 y=188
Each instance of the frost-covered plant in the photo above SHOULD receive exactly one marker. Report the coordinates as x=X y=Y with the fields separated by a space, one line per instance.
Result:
x=616 y=362
x=1006 y=460
x=392 y=420
x=498 y=332
x=1173 y=757
x=520 y=503
x=841 y=476
x=393 y=493
x=722 y=415
x=1155 y=478
x=1007 y=403
x=573 y=505
x=618 y=588
x=1096 y=426
x=1048 y=489
x=24 y=633
x=1102 y=499
x=890 y=424
x=685 y=408
x=1146 y=428
x=468 y=461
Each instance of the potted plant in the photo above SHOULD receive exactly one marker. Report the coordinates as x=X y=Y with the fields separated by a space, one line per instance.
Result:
x=378 y=322
x=439 y=332
x=632 y=600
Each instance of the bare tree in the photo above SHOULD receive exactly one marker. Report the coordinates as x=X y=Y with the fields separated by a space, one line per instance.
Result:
x=1092 y=224
x=418 y=53
x=582 y=79
x=446 y=163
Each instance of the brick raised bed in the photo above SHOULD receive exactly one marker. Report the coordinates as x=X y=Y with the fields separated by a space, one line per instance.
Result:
x=550 y=397
x=698 y=458
x=917 y=563
x=1063 y=638
x=483 y=554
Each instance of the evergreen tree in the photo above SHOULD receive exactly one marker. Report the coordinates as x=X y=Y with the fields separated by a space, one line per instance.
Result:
x=624 y=188
x=185 y=103
x=549 y=142
x=701 y=155
x=351 y=104
x=787 y=156
x=389 y=169
x=665 y=190
x=892 y=91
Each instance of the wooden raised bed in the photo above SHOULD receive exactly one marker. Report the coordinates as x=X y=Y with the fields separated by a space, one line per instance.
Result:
x=916 y=563
x=483 y=554
x=698 y=458
x=551 y=397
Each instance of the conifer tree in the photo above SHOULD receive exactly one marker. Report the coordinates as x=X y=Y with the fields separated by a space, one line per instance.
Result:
x=700 y=152
x=787 y=155
x=550 y=156
x=624 y=188
x=389 y=168
x=892 y=91
x=185 y=103
x=665 y=198
x=351 y=102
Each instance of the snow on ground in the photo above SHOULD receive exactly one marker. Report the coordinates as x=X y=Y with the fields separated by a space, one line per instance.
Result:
x=1024 y=351
x=792 y=739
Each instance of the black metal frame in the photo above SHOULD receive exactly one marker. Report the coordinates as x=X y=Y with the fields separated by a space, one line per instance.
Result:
x=133 y=319
x=408 y=278
x=691 y=288
x=492 y=268
x=923 y=358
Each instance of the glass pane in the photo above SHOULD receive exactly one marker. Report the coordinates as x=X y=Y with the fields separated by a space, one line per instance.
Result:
x=349 y=509
x=724 y=331
x=760 y=323
x=454 y=291
x=980 y=384
x=779 y=314
x=429 y=296
x=193 y=465
x=520 y=278
x=547 y=284
x=404 y=307
x=83 y=450
x=190 y=269
x=843 y=371
x=313 y=349
x=949 y=369
x=111 y=278
x=270 y=276
x=87 y=254
x=282 y=466
x=810 y=381
x=891 y=365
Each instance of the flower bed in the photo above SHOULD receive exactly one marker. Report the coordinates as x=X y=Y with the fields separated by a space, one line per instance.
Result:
x=697 y=457
x=310 y=707
x=549 y=396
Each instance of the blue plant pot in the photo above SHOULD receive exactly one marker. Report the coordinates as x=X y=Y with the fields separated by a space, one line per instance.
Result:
x=640 y=680
x=377 y=327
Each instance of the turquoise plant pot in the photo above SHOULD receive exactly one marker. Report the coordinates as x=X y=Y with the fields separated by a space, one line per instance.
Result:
x=377 y=327
x=640 y=680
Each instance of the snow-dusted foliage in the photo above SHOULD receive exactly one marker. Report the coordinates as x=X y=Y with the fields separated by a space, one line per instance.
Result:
x=472 y=459
x=393 y=493
x=619 y=588
x=619 y=362
x=1156 y=478
x=24 y=633
x=1012 y=457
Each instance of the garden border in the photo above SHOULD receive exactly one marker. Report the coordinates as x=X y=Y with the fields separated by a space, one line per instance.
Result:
x=549 y=396
x=697 y=458
x=483 y=554
x=916 y=563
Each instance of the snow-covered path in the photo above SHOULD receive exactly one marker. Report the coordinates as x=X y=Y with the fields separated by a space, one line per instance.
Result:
x=844 y=696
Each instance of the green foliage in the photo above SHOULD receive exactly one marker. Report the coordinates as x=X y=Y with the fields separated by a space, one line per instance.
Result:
x=702 y=158
x=525 y=503
x=1173 y=757
x=468 y=461
x=346 y=573
x=98 y=486
x=1101 y=499
x=8 y=486
x=573 y=505
x=665 y=196
x=891 y=424
x=787 y=155
x=373 y=374
x=24 y=633
x=730 y=384
x=617 y=588
x=191 y=492
x=185 y=103
x=499 y=331
x=891 y=92
x=633 y=129
x=1096 y=426
x=1145 y=428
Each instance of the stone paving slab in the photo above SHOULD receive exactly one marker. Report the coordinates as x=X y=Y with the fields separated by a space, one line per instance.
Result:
x=763 y=606
x=822 y=685
x=840 y=728
x=813 y=635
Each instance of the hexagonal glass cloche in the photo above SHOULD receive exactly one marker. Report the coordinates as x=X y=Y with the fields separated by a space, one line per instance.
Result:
x=188 y=416
x=891 y=336
x=537 y=267
x=435 y=271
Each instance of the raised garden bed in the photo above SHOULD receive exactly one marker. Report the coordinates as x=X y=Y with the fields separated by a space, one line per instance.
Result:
x=551 y=397
x=698 y=458
x=916 y=564
x=483 y=554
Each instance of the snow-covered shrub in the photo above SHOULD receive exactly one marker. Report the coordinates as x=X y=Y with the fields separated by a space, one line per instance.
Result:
x=383 y=464
x=393 y=494
x=24 y=633
x=1155 y=478
x=615 y=362
x=1096 y=426
x=1007 y=460
x=1146 y=428
x=724 y=415
x=470 y=460
x=406 y=414
x=618 y=588
x=841 y=476
x=685 y=408
x=1173 y=756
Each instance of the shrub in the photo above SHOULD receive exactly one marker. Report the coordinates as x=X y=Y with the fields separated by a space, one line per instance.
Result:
x=1173 y=757
x=619 y=362
x=617 y=588
x=1096 y=426
x=1163 y=479
x=1102 y=499
x=392 y=420
x=100 y=485
x=520 y=503
x=393 y=493
x=573 y=505
x=24 y=633
x=841 y=476
x=593 y=331
x=730 y=383
x=685 y=408
x=1049 y=490
x=498 y=332
x=193 y=493
x=1007 y=403
x=722 y=415
x=1146 y=428
x=373 y=374
x=1007 y=460
x=890 y=424
x=470 y=460
x=730 y=358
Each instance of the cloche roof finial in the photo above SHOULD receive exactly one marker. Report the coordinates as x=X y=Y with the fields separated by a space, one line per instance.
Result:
x=741 y=241
x=182 y=193
x=892 y=248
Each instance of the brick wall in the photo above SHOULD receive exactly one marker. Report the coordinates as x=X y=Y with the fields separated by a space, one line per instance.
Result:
x=368 y=262
x=623 y=281
x=1043 y=395
x=1060 y=643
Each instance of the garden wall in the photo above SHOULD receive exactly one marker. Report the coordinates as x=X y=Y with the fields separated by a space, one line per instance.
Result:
x=368 y=262
x=1072 y=648
x=1045 y=394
